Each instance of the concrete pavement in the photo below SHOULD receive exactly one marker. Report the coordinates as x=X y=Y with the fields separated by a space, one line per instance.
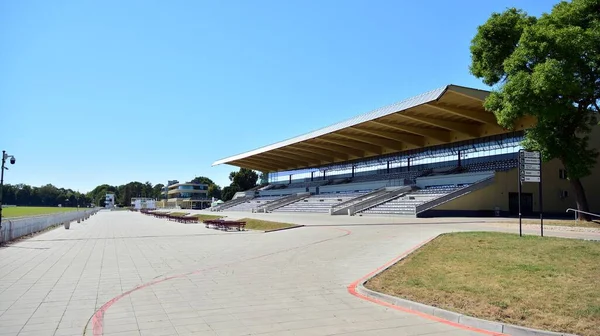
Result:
x=123 y=273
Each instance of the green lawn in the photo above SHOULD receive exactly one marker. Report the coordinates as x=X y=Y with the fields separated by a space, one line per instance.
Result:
x=263 y=225
x=179 y=213
x=545 y=283
x=32 y=211
x=559 y=222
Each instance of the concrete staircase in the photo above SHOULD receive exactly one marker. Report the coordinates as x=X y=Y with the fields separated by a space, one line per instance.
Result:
x=269 y=207
x=415 y=202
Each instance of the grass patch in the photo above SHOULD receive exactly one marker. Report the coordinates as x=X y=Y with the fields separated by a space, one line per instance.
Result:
x=545 y=283
x=561 y=222
x=202 y=217
x=263 y=225
x=32 y=211
x=178 y=213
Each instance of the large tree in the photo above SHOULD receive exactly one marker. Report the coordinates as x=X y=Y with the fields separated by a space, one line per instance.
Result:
x=214 y=191
x=157 y=191
x=547 y=68
x=203 y=180
x=244 y=178
x=229 y=191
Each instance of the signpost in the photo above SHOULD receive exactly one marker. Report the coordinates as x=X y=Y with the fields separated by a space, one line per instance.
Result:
x=530 y=171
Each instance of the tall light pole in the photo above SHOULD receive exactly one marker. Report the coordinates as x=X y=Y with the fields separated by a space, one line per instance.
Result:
x=12 y=161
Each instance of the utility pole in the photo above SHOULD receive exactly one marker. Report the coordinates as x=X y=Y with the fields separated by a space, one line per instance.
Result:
x=12 y=161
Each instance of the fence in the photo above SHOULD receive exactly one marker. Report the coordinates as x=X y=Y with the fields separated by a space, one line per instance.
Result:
x=19 y=227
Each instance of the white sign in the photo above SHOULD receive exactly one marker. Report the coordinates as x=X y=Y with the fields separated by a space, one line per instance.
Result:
x=531 y=179
x=531 y=166
x=533 y=161
x=531 y=172
x=531 y=154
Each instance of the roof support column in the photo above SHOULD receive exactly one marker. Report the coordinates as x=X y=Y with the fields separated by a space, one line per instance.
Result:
x=408 y=164
x=312 y=176
x=352 y=171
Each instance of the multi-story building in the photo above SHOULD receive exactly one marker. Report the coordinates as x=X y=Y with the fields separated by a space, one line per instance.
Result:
x=186 y=195
x=109 y=201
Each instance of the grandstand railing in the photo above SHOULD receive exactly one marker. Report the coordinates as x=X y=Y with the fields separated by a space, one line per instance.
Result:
x=380 y=199
x=282 y=202
x=231 y=203
x=455 y=194
x=583 y=212
x=340 y=208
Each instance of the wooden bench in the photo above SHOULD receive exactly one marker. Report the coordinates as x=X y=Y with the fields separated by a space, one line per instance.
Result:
x=183 y=219
x=224 y=225
x=160 y=214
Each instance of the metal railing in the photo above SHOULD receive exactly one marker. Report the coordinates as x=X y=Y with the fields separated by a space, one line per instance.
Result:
x=583 y=212
x=262 y=207
x=457 y=193
x=379 y=199
x=343 y=205
x=231 y=203
x=285 y=201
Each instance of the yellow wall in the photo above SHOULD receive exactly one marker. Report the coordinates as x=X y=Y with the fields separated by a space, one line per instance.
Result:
x=496 y=195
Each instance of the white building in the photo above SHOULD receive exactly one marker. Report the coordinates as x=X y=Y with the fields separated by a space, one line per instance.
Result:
x=139 y=203
x=109 y=201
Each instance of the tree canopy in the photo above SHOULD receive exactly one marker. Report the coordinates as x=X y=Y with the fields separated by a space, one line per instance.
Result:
x=203 y=180
x=547 y=68
x=245 y=178
x=47 y=195
x=229 y=191
x=241 y=180
x=214 y=190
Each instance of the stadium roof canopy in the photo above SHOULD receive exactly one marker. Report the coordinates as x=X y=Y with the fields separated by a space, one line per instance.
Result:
x=449 y=114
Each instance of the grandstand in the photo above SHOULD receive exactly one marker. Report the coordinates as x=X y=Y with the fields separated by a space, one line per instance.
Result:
x=439 y=153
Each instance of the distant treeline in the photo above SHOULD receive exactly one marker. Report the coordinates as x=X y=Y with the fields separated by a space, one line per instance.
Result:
x=49 y=195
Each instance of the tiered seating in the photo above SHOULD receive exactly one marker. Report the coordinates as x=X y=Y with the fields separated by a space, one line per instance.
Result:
x=406 y=204
x=366 y=183
x=309 y=184
x=438 y=190
x=318 y=203
x=498 y=165
x=409 y=175
x=253 y=203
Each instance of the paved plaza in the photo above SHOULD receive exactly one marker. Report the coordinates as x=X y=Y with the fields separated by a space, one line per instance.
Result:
x=123 y=273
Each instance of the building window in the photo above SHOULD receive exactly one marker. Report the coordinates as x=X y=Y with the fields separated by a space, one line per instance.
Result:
x=562 y=174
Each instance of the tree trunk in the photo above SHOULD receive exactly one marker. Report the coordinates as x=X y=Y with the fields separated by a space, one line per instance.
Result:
x=581 y=199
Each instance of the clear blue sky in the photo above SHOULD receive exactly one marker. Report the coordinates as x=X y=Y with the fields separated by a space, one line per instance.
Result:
x=96 y=92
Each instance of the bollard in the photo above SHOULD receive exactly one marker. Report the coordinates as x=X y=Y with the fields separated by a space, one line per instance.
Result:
x=67 y=225
x=78 y=220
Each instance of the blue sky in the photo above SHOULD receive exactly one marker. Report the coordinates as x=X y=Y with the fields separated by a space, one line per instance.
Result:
x=96 y=92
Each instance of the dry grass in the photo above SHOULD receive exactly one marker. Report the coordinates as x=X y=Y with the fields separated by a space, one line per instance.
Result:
x=263 y=225
x=561 y=222
x=202 y=218
x=544 y=283
x=178 y=213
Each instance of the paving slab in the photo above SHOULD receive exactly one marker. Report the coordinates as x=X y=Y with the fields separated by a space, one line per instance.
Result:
x=124 y=273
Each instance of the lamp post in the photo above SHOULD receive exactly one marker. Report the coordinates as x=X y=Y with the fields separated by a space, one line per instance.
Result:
x=12 y=161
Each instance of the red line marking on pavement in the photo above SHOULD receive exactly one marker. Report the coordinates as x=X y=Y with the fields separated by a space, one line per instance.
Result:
x=98 y=317
x=352 y=290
